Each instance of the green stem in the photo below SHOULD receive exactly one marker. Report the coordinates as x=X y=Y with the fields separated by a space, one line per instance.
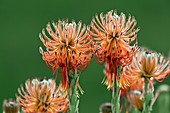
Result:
x=113 y=98
x=73 y=95
x=148 y=97
x=115 y=93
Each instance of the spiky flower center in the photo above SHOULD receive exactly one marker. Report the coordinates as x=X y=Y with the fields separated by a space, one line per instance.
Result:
x=113 y=36
x=148 y=55
x=68 y=44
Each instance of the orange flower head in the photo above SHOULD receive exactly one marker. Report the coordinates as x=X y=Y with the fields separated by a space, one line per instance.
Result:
x=70 y=47
x=113 y=35
x=42 y=97
x=149 y=65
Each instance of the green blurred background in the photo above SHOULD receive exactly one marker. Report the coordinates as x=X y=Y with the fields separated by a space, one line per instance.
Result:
x=21 y=21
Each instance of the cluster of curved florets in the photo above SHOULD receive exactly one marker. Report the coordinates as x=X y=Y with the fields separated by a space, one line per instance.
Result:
x=69 y=48
x=72 y=45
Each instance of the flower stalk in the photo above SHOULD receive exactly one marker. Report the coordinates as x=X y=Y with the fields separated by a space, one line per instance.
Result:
x=148 y=97
x=115 y=93
x=73 y=95
x=115 y=99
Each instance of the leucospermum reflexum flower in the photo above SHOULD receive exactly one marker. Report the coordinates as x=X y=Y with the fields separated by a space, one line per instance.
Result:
x=42 y=96
x=113 y=35
x=149 y=65
x=68 y=47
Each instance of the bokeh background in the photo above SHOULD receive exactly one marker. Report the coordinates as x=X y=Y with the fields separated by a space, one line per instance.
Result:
x=21 y=21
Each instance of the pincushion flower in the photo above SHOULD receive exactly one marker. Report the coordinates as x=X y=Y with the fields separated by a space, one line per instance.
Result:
x=113 y=35
x=69 y=48
x=148 y=65
x=42 y=97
